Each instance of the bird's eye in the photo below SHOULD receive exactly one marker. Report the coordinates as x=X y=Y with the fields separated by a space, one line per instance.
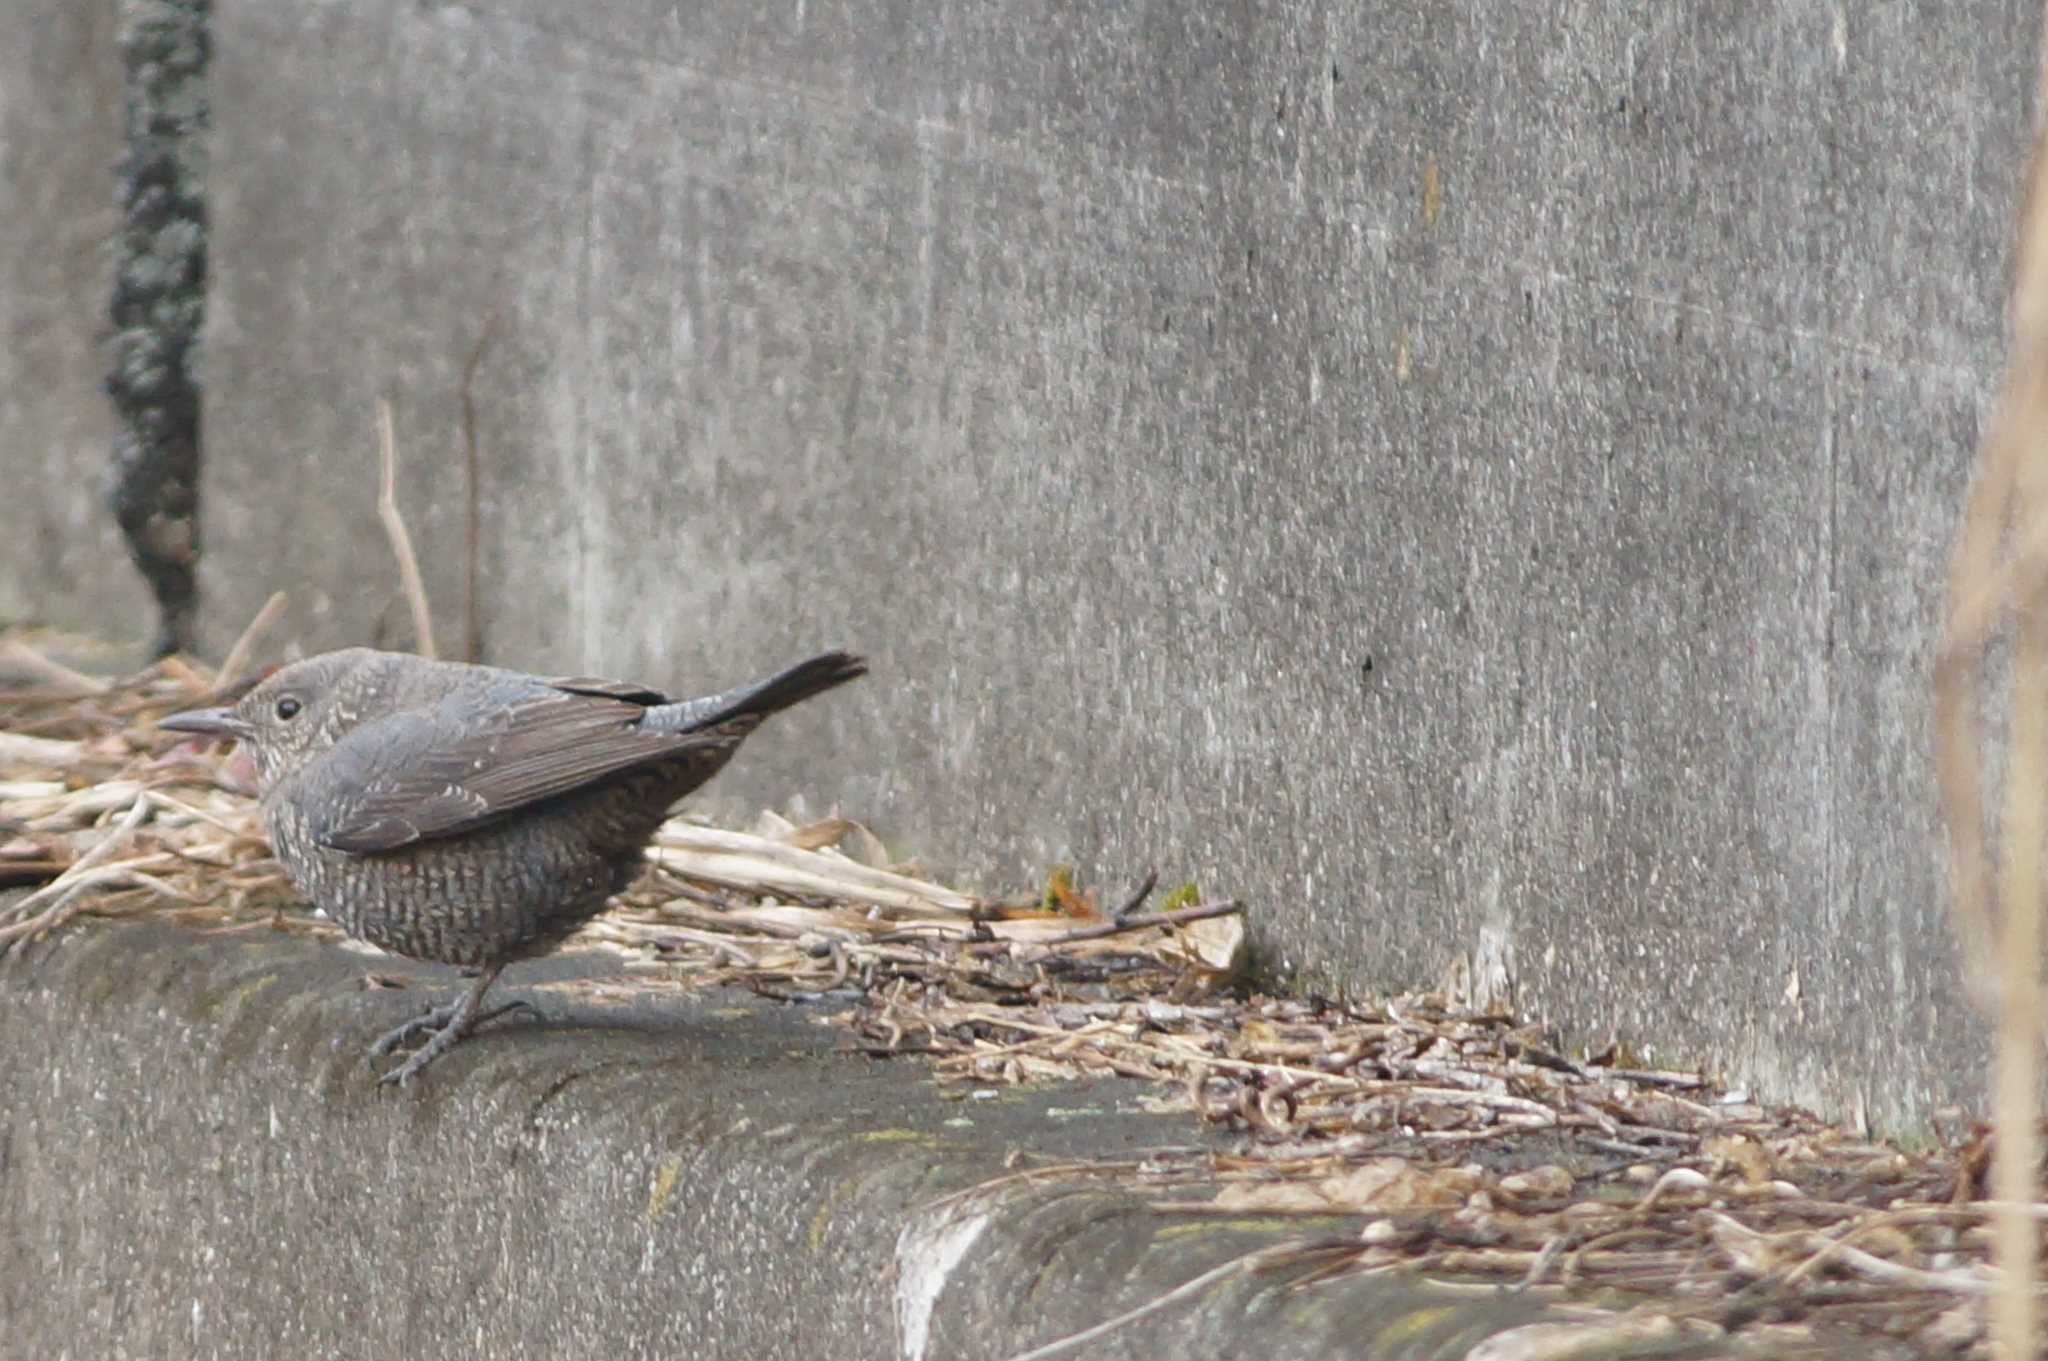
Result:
x=288 y=708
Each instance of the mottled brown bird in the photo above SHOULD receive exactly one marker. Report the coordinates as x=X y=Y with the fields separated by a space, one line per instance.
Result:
x=475 y=816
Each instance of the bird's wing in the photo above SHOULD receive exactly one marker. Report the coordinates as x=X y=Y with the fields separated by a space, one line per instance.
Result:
x=431 y=773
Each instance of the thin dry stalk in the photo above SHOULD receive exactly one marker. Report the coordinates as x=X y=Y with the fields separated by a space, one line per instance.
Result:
x=2016 y=1093
x=66 y=887
x=1237 y=1266
x=472 y=527
x=401 y=541
x=22 y=657
x=51 y=751
x=1999 y=576
x=96 y=856
x=1126 y=922
x=245 y=646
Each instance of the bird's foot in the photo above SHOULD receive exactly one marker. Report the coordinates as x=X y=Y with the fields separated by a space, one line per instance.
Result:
x=433 y=1018
x=446 y=1026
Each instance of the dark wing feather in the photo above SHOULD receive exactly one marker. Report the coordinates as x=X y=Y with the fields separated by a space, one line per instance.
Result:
x=426 y=774
x=608 y=689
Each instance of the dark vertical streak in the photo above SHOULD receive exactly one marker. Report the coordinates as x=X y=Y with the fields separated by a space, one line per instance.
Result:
x=159 y=301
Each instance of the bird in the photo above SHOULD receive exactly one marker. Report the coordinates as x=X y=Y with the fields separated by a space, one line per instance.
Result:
x=472 y=815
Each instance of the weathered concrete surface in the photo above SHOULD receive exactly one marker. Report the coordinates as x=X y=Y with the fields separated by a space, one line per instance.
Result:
x=1473 y=479
x=61 y=555
x=194 y=1161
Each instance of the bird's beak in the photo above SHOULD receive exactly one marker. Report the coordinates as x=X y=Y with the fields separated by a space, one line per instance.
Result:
x=212 y=722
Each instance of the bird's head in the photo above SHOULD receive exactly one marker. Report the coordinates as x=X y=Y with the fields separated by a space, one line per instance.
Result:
x=294 y=715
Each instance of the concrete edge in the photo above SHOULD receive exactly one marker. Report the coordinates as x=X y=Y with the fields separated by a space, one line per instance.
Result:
x=192 y=1152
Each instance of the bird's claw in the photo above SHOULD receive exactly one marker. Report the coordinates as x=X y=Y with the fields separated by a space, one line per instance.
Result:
x=447 y=1031
x=433 y=1018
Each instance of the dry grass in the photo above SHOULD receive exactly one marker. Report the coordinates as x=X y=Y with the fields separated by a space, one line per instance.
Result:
x=1997 y=595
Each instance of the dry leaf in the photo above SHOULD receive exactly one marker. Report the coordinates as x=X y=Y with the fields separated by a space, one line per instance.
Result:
x=1217 y=944
x=1742 y=1153
x=819 y=835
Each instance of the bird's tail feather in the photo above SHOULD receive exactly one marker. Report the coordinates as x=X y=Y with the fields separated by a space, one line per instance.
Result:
x=762 y=698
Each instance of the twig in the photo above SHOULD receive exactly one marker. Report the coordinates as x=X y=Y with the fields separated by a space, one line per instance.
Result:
x=1186 y=1055
x=17 y=653
x=922 y=931
x=1138 y=896
x=1842 y=1235
x=43 y=751
x=672 y=937
x=171 y=805
x=1960 y=1281
x=1509 y=1126
x=20 y=933
x=1647 y=1077
x=67 y=886
x=2006 y=510
x=472 y=631
x=675 y=887
x=1237 y=1266
x=238 y=655
x=97 y=855
x=401 y=542
x=730 y=920
x=1178 y=917
x=1552 y=1247
x=2016 y=1047
x=742 y=860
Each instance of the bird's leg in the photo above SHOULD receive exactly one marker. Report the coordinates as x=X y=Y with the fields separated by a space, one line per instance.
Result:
x=434 y=1018
x=448 y=1024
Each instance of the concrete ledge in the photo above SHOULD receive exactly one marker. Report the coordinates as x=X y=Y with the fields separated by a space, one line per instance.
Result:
x=194 y=1162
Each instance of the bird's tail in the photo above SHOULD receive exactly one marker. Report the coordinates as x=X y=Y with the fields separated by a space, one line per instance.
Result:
x=755 y=702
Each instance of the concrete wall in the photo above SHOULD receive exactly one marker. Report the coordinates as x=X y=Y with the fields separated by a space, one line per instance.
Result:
x=61 y=555
x=1470 y=478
